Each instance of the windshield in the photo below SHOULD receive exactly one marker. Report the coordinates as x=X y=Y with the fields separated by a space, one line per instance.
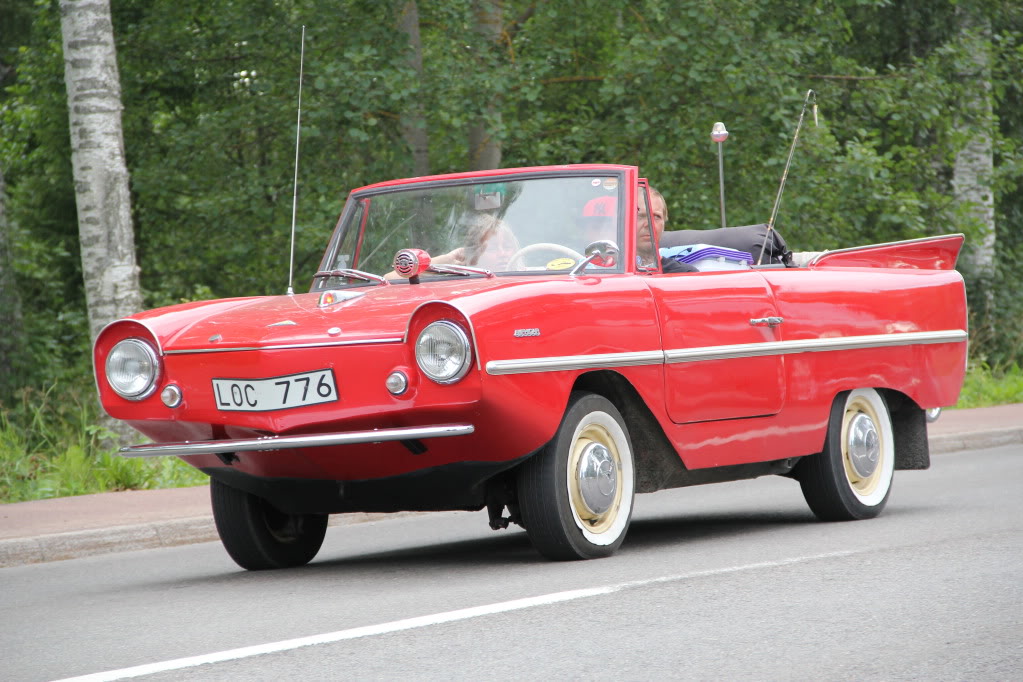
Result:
x=504 y=226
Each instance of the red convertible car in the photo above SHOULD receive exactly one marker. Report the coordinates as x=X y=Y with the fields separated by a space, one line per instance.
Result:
x=511 y=340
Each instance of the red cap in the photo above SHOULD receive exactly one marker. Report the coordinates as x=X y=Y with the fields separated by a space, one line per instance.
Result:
x=601 y=207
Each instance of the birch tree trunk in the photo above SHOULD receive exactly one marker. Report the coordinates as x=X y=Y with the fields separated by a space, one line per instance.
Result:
x=484 y=147
x=413 y=122
x=97 y=157
x=972 y=179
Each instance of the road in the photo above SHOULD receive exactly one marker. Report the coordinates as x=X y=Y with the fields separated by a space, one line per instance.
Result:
x=725 y=581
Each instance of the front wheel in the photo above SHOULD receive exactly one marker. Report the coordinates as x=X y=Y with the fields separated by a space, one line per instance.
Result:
x=852 y=478
x=575 y=496
x=259 y=536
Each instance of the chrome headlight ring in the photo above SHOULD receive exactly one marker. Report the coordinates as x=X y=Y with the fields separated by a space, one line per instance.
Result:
x=132 y=369
x=443 y=352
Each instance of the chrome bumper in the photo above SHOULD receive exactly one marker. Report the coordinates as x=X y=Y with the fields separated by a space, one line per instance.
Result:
x=213 y=447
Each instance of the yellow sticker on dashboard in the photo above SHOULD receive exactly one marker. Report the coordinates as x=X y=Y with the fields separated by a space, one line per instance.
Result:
x=561 y=264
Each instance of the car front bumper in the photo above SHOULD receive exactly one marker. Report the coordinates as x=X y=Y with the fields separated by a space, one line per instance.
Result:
x=213 y=447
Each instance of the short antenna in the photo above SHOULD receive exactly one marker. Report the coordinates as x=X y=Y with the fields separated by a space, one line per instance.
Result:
x=294 y=198
x=785 y=173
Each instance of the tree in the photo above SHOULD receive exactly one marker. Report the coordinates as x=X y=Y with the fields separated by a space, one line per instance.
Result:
x=109 y=272
x=208 y=89
x=413 y=121
x=12 y=338
x=484 y=145
x=973 y=178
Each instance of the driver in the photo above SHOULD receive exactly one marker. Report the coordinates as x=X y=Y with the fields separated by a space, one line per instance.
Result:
x=598 y=222
x=645 y=237
x=490 y=244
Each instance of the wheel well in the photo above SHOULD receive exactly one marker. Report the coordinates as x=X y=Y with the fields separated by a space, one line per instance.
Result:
x=656 y=461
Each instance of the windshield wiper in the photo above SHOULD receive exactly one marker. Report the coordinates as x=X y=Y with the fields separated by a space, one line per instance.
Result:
x=460 y=270
x=351 y=274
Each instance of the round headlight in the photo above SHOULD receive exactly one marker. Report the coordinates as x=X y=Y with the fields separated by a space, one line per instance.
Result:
x=442 y=351
x=132 y=369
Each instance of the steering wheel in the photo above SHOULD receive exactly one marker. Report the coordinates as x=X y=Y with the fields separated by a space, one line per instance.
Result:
x=513 y=262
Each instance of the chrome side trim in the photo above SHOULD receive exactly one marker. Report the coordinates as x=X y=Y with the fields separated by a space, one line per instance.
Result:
x=751 y=350
x=285 y=346
x=741 y=350
x=497 y=367
x=212 y=447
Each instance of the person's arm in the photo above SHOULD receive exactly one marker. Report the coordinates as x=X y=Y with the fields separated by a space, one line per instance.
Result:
x=455 y=257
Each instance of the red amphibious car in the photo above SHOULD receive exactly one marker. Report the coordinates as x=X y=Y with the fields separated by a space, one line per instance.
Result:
x=509 y=340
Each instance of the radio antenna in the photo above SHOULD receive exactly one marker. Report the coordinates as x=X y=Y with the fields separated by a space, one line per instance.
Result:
x=294 y=197
x=785 y=173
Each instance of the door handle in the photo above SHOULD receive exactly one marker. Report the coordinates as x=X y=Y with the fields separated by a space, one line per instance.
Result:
x=766 y=321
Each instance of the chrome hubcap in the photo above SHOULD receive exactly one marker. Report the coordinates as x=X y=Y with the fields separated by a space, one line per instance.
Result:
x=863 y=445
x=597 y=478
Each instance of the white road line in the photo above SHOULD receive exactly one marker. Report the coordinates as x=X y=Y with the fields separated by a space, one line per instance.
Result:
x=426 y=621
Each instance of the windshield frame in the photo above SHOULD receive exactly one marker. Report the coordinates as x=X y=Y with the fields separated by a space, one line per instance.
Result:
x=626 y=176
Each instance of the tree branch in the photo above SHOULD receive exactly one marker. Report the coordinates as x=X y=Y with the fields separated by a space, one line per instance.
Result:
x=843 y=77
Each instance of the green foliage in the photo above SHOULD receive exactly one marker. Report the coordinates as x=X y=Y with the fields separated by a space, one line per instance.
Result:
x=50 y=446
x=210 y=88
x=986 y=386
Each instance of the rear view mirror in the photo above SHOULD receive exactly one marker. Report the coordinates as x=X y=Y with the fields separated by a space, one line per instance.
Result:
x=603 y=252
x=487 y=200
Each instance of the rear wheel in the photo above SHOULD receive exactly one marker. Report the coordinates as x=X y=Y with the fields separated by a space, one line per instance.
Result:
x=575 y=496
x=852 y=478
x=259 y=536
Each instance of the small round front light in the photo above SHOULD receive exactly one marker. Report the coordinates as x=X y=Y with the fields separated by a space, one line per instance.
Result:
x=171 y=395
x=443 y=353
x=132 y=369
x=397 y=383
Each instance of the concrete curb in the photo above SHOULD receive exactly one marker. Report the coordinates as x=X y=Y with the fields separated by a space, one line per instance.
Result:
x=83 y=543
x=170 y=533
x=987 y=439
x=174 y=532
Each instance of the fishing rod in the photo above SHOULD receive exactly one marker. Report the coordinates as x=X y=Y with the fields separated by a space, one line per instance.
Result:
x=294 y=197
x=785 y=173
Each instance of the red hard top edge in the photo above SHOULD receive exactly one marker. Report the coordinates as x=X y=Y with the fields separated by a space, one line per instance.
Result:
x=499 y=171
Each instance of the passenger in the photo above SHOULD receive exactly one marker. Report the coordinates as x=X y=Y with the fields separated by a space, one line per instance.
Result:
x=598 y=220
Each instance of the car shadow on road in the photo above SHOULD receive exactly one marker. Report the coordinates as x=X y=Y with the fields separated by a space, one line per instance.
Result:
x=511 y=548
x=503 y=548
x=689 y=528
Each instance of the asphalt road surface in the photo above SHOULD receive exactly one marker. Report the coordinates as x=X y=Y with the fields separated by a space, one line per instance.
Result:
x=729 y=581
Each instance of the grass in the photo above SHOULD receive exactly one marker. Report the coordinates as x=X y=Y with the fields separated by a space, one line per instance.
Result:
x=50 y=445
x=985 y=386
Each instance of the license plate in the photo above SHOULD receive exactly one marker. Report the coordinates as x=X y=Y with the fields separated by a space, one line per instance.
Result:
x=275 y=393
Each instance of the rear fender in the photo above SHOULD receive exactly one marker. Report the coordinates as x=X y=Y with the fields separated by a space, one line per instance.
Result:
x=926 y=253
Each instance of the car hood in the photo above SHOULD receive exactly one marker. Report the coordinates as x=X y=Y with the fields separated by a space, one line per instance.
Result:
x=370 y=314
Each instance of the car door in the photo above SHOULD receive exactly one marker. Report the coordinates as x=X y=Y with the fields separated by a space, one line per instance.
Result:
x=717 y=331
